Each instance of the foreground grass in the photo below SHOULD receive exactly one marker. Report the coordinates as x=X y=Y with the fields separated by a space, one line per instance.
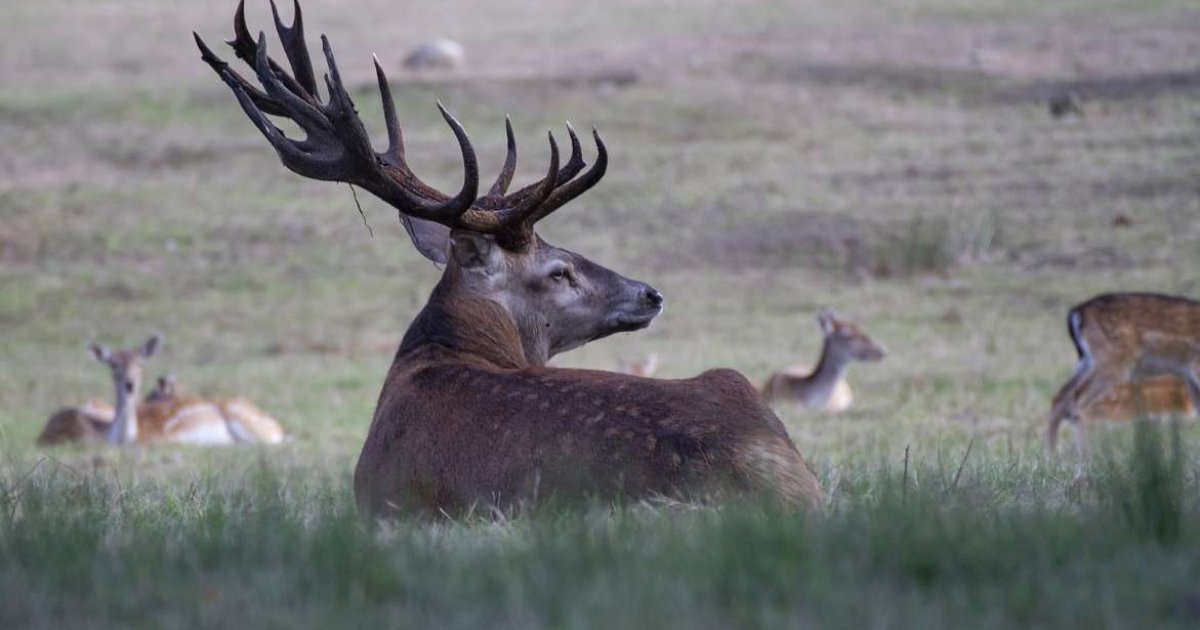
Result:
x=996 y=543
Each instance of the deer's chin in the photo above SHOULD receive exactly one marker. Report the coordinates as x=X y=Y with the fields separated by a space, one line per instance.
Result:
x=629 y=322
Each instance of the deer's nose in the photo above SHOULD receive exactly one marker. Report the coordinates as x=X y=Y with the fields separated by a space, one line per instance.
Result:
x=652 y=296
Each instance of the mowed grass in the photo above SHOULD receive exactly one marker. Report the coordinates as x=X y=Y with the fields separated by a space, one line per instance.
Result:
x=892 y=160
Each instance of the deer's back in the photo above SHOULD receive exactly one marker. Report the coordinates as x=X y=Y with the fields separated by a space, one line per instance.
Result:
x=87 y=423
x=182 y=420
x=451 y=435
x=1130 y=322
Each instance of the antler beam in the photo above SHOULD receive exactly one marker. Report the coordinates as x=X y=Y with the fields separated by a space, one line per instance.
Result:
x=337 y=147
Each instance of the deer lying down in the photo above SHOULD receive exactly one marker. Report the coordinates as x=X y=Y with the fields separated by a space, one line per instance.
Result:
x=91 y=421
x=469 y=414
x=825 y=387
x=645 y=365
x=166 y=416
x=1122 y=338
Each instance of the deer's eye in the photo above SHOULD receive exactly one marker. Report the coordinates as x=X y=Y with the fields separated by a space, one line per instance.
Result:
x=560 y=275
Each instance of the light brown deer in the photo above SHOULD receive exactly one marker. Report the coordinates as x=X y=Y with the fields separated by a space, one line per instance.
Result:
x=825 y=387
x=1152 y=397
x=469 y=413
x=91 y=421
x=166 y=416
x=645 y=365
x=245 y=422
x=88 y=422
x=1123 y=338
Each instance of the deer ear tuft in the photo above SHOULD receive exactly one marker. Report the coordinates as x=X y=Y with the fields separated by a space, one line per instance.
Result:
x=826 y=319
x=101 y=353
x=150 y=348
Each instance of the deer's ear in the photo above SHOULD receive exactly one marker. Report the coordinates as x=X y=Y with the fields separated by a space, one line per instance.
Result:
x=150 y=348
x=100 y=352
x=431 y=239
x=825 y=319
x=474 y=251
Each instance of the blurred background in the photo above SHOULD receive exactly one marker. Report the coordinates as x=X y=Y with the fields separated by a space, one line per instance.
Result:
x=950 y=175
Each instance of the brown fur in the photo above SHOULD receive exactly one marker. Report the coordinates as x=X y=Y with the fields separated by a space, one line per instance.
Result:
x=1151 y=398
x=88 y=423
x=1124 y=337
x=462 y=423
x=469 y=414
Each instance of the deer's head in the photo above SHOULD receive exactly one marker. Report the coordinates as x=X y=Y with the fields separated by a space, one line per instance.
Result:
x=848 y=340
x=557 y=299
x=126 y=365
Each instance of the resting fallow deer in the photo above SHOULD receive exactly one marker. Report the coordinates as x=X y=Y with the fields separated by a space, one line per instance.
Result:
x=825 y=386
x=469 y=413
x=166 y=416
x=88 y=422
x=645 y=365
x=1123 y=338
x=91 y=421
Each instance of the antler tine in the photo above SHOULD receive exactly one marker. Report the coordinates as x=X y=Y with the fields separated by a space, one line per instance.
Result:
x=235 y=80
x=246 y=49
x=254 y=106
x=516 y=217
x=407 y=193
x=575 y=187
x=395 y=151
x=295 y=48
x=510 y=163
x=336 y=146
x=303 y=112
x=574 y=164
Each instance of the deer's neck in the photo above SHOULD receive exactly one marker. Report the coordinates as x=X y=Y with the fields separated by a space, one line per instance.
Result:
x=125 y=423
x=817 y=387
x=470 y=326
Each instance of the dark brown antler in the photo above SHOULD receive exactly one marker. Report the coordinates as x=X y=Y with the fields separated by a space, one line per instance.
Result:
x=337 y=147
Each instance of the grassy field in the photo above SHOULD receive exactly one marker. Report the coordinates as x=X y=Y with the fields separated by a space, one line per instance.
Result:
x=892 y=160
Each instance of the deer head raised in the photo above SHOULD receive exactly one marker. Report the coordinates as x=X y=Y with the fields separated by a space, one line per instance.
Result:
x=557 y=299
x=126 y=369
x=469 y=413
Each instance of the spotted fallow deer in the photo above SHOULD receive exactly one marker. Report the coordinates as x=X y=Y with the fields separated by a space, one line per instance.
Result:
x=825 y=387
x=166 y=416
x=1123 y=339
x=1152 y=397
x=469 y=413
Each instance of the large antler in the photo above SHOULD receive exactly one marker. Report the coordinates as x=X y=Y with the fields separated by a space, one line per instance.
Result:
x=337 y=147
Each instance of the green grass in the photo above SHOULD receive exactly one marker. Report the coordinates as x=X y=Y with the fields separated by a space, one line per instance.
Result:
x=892 y=160
x=979 y=544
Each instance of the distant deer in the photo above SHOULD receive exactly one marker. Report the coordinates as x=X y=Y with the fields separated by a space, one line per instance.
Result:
x=825 y=387
x=166 y=388
x=165 y=417
x=1124 y=337
x=91 y=421
x=88 y=422
x=645 y=365
x=469 y=413
x=1153 y=397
